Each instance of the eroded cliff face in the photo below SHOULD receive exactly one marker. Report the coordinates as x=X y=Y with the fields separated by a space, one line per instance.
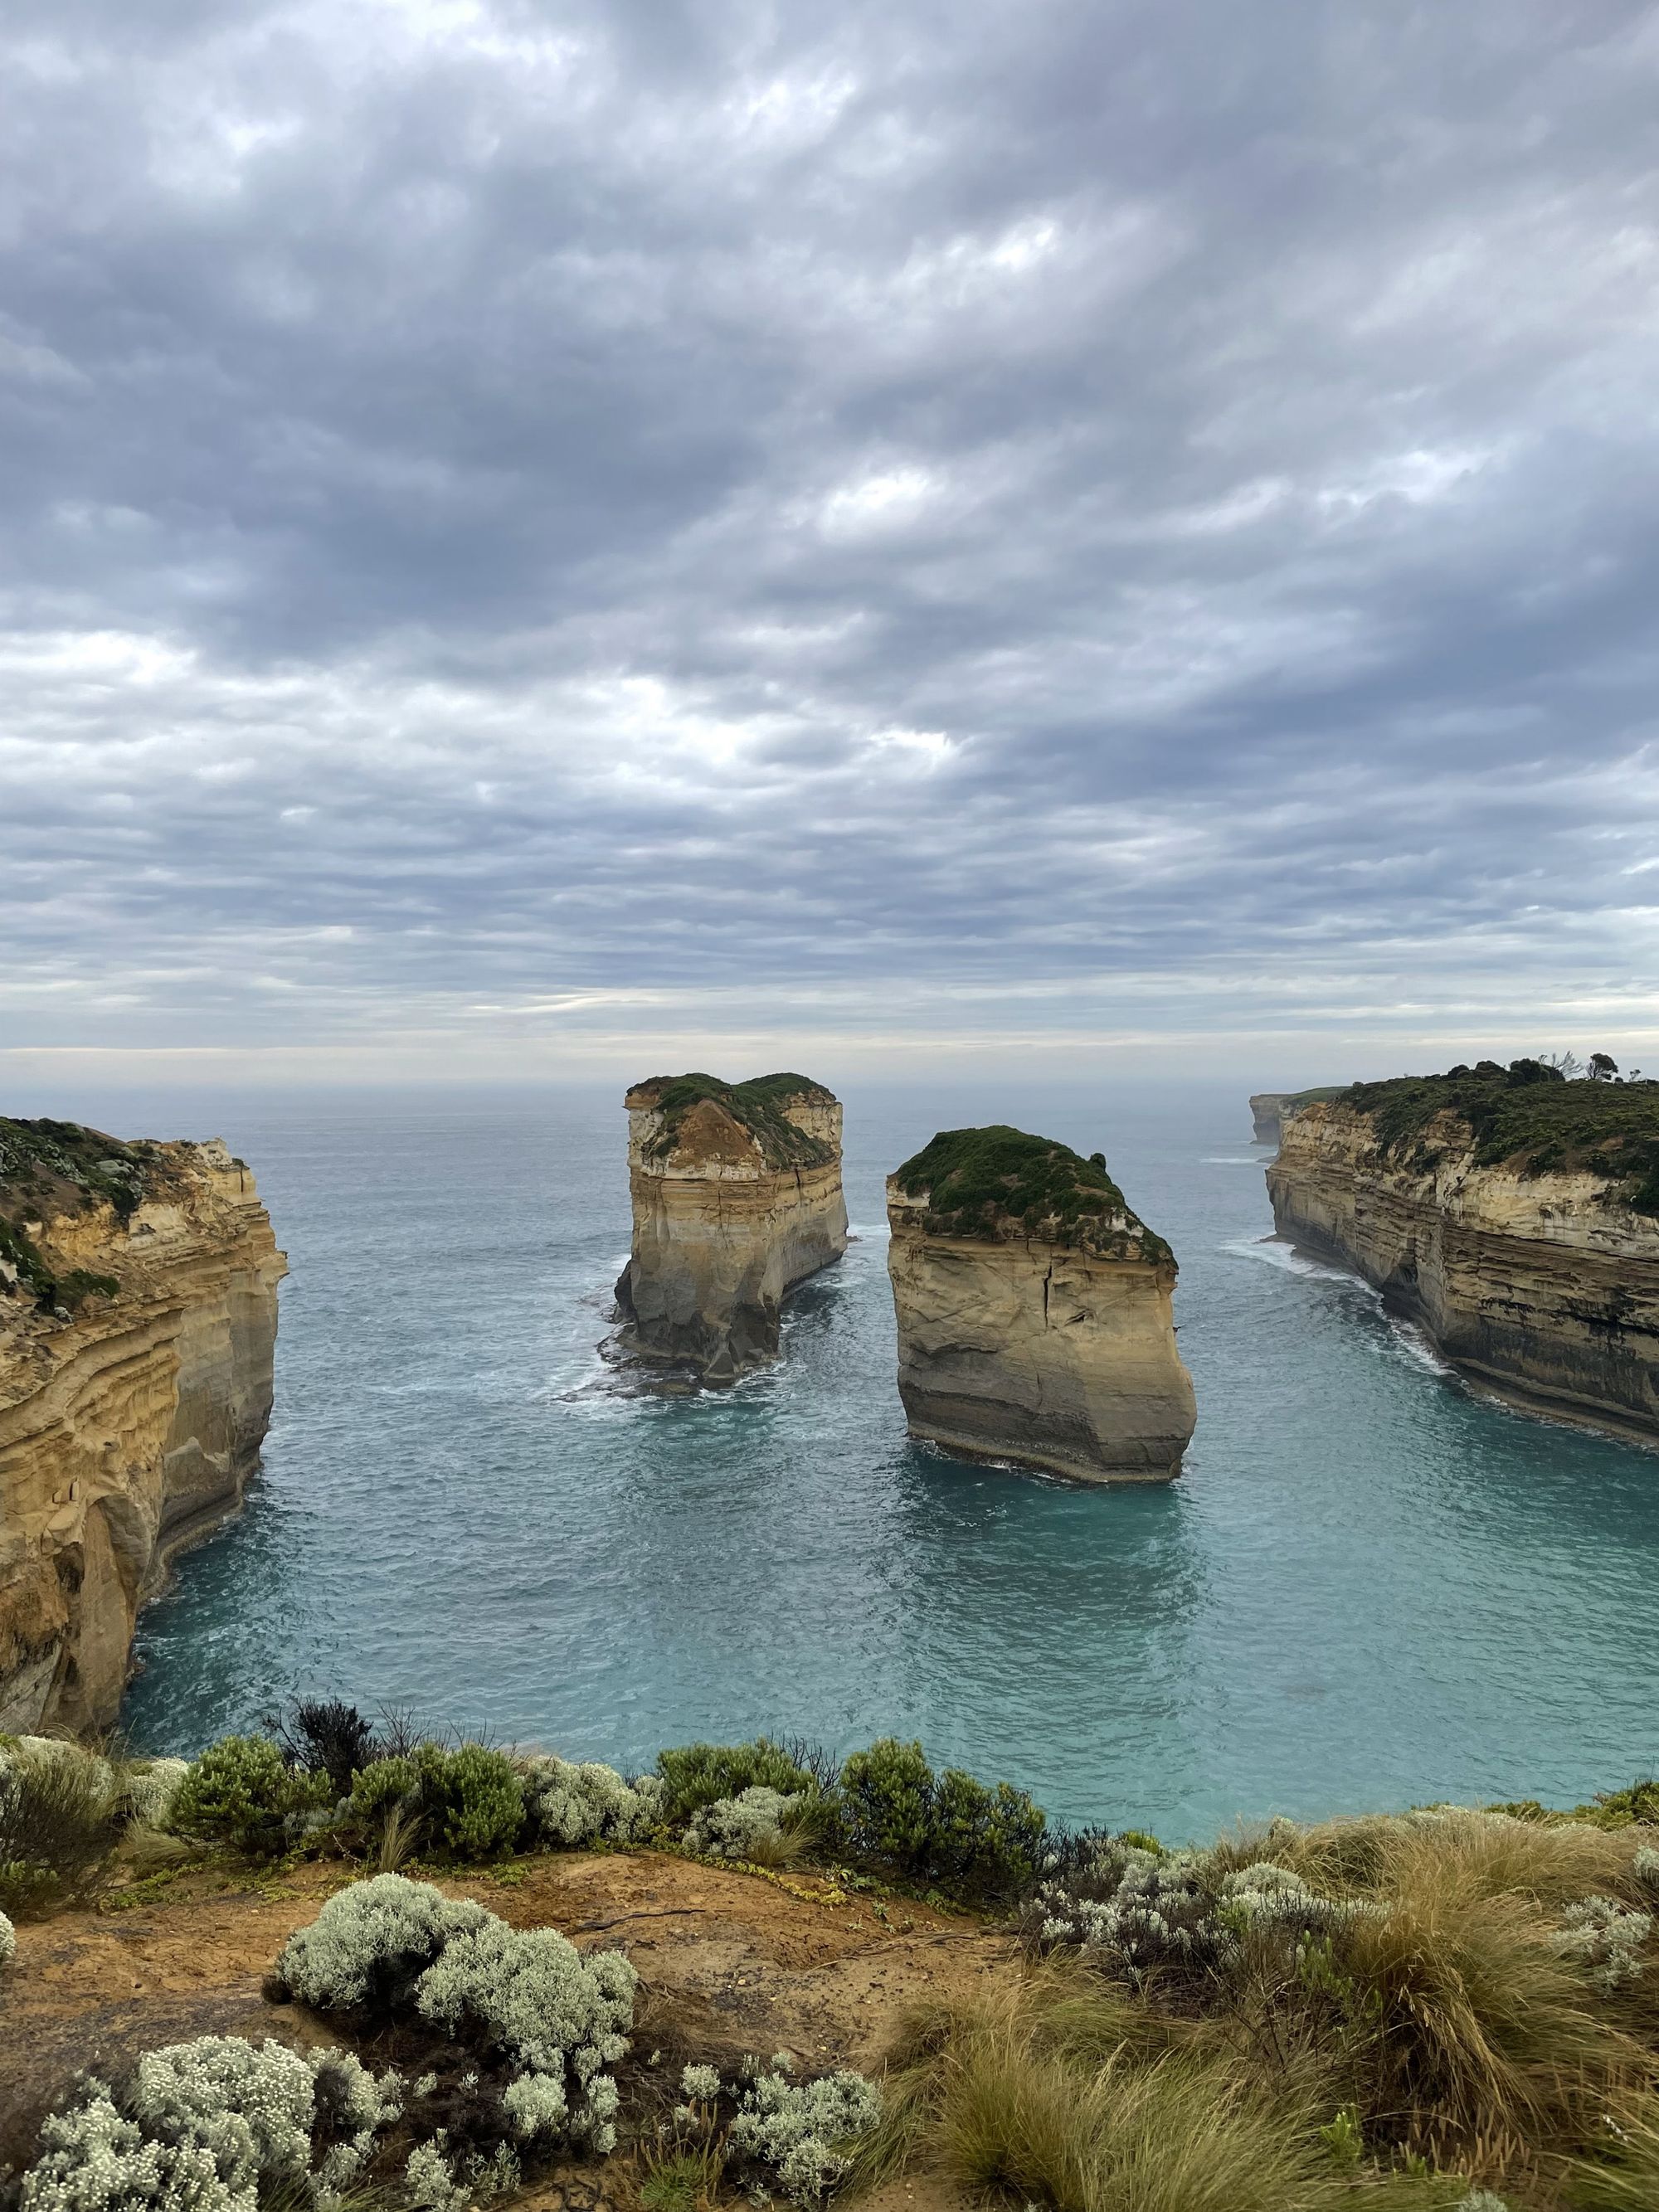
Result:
x=130 y=1421
x=1030 y=1337
x=1543 y=1286
x=737 y=1197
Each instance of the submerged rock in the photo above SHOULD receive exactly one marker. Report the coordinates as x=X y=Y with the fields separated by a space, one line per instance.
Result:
x=1034 y=1320
x=1513 y=1216
x=137 y=1326
x=737 y=1197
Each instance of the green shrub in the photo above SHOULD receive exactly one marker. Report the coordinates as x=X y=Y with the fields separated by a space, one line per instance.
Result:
x=947 y=1829
x=986 y=1843
x=240 y=1792
x=699 y=1774
x=472 y=1800
x=887 y=1804
x=375 y=1789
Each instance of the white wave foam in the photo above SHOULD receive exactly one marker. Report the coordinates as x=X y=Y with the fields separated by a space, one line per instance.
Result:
x=1277 y=1254
x=1229 y=1160
x=1407 y=1339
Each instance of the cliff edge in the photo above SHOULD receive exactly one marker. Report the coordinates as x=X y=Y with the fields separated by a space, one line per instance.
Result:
x=1515 y=1217
x=737 y=1197
x=137 y=1328
x=1034 y=1313
x=1271 y=1110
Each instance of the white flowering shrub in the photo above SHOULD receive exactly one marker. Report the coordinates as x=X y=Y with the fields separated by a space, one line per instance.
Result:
x=208 y=2125
x=439 y=2180
x=536 y=2105
x=529 y=2001
x=149 y=1788
x=94 y=2159
x=700 y=2085
x=8 y=1940
x=431 y=2182
x=570 y=1805
x=734 y=1827
x=1604 y=1937
x=1646 y=1867
x=1141 y=1910
x=532 y=1997
x=370 y=1944
x=1268 y=1898
x=1482 y=2200
x=803 y=2131
x=355 y=2106
x=1137 y=1910
x=250 y=2106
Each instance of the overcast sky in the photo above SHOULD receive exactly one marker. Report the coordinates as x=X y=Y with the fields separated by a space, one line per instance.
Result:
x=552 y=536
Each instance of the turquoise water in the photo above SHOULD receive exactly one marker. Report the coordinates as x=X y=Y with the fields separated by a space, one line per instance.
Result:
x=1368 y=1588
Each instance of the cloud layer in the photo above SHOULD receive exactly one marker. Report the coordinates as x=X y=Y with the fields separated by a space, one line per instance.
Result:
x=531 y=528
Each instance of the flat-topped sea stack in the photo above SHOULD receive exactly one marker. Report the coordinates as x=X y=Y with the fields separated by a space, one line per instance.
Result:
x=137 y=1324
x=737 y=1197
x=1513 y=1216
x=1035 y=1319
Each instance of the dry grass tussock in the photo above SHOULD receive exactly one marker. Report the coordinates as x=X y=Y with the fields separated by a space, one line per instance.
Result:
x=1440 y=2033
x=1063 y=2094
x=1551 y=1864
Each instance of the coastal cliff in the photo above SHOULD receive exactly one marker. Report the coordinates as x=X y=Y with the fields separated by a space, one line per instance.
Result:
x=1271 y=1110
x=737 y=1197
x=1513 y=1216
x=137 y=1326
x=1034 y=1314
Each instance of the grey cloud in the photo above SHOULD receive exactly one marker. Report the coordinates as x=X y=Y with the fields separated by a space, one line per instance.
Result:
x=1140 y=507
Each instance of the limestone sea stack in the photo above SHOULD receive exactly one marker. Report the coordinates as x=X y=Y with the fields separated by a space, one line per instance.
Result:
x=137 y=1326
x=737 y=1197
x=1034 y=1314
x=1512 y=1215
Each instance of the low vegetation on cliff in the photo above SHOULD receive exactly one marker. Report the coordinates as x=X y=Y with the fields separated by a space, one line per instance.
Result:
x=755 y=1106
x=1525 y=1116
x=996 y=1182
x=1445 y=2008
x=49 y=1169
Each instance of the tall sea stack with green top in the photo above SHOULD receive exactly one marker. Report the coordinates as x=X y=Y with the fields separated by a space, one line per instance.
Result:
x=737 y=1197
x=1035 y=1321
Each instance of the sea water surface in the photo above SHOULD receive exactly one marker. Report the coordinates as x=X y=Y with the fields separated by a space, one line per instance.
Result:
x=1368 y=1588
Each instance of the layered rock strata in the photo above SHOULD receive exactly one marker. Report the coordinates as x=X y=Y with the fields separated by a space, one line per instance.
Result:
x=1036 y=1321
x=1514 y=1220
x=736 y=1198
x=1271 y=1110
x=137 y=1326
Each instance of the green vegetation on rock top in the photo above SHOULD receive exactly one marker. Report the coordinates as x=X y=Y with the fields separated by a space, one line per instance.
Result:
x=50 y=1168
x=985 y=1182
x=756 y=1106
x=1526 y=1117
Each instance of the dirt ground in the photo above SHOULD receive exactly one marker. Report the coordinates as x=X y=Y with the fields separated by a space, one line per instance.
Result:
x=730 y=1963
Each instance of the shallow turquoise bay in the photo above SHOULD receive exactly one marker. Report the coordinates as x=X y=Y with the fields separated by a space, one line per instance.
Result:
x=1368 y=1587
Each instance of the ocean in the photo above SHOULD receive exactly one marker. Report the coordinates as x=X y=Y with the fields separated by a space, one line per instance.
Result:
x=1369 y=1588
